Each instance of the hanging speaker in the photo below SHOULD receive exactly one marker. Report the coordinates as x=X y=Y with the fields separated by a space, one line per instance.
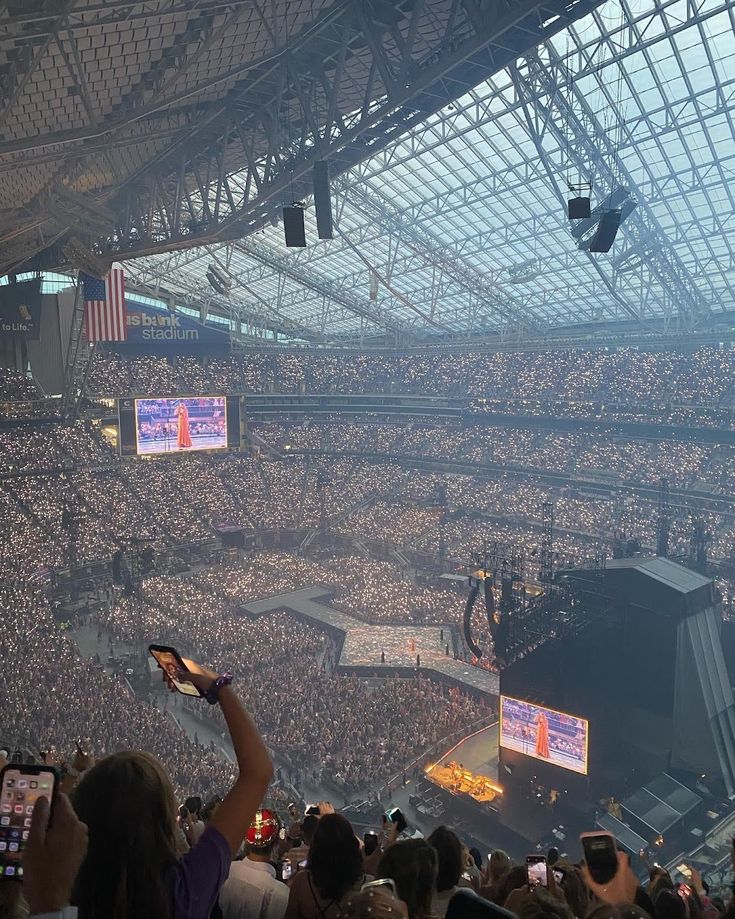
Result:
x=293 y=227
x=322 y=200
x=579 y=208
x=606 y=231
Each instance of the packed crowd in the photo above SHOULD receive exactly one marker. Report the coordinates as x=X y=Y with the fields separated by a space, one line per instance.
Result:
x=66 y=498
x=47 y=471
x=51 y=694
x=329 y=723
x=585 y=455
x=16 y=387
x=235 y=859
x=624 y=375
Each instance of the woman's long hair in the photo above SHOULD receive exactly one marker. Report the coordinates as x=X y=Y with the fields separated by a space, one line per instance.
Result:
x=412 y=864
x=128 y=804
x=335 y=860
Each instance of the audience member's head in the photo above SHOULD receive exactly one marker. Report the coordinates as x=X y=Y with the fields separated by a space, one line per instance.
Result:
x=412 y=864
x=210 y=808
x=609 y=911
x=510 y=881
x=335 y=860
x=575 y=891
x=308 y=828
x=543 y=905
x=449 y=858
x=262 y=835
x=127 y=803
x=669 y=905
x=499 y=865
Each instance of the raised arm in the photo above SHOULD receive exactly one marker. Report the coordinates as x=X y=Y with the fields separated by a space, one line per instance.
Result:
x=234 y=815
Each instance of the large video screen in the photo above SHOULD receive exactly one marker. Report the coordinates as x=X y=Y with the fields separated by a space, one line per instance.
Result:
x=543 y=733
x=180 y=425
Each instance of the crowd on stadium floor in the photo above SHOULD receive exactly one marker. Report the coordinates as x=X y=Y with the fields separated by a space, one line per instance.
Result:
x=315 y=717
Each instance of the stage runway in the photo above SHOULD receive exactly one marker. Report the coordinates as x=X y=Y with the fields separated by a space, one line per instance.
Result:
x=362 y=644
x=198 y=442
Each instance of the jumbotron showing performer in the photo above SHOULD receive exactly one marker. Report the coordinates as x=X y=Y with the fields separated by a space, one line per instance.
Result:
x=544 y=733
x=171 y=425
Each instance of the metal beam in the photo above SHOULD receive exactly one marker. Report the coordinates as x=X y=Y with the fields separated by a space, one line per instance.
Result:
x=457 y=61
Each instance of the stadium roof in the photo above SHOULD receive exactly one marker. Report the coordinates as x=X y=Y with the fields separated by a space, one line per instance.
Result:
x=450 y=212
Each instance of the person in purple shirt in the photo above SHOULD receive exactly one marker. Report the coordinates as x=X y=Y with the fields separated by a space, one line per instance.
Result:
x=131 y=869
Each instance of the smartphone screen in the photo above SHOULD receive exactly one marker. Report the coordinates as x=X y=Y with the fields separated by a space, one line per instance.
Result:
x=169 y=659
x=601 y=856
x=286 y=869
x=21 y=787
x=536 y=868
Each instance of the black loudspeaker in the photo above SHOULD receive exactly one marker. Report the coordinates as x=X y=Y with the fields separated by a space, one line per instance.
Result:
x=293 y=226
x=607 y=229
x=322 y=200
x=474 y=590
x=579 y=208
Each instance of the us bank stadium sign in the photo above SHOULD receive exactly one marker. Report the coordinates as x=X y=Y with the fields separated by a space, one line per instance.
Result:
x=159 y=328
x=154 y=329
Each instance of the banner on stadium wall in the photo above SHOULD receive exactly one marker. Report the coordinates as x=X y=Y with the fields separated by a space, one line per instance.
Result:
x=155 y=330
x=20 y=310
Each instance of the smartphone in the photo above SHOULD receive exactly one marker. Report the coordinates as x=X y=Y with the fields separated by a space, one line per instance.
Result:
x=536 y=870
x=286 y=870
x=395 y=815
x=558 y=875
x=170 y=660
x=601 y=855
x=684 y=891
x=20 y=787
x=370 y=841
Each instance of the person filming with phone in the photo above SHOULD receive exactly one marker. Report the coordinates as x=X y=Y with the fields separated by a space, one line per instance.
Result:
x=131 y=869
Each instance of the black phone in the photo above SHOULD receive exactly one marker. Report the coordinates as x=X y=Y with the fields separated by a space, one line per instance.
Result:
x=20 y=787
x=169 y=660
x=395 y=815
x=601 y=855
x=536 y=871
x=370 y=841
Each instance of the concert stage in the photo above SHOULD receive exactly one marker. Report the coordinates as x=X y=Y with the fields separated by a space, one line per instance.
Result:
x=471 y=767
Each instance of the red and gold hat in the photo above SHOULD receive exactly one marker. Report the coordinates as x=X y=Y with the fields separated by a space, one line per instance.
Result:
x=263 y=831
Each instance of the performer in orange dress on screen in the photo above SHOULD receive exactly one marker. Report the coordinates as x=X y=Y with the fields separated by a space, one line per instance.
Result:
x=542 y=735
x=182 y=413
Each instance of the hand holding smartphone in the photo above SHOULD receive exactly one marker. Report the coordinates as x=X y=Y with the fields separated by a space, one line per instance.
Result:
x=173 y=665
x=536 y=871
x=20 y=787
x=600 y=855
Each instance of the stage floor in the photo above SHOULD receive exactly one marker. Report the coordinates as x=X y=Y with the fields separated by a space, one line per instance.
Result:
x=477 y=753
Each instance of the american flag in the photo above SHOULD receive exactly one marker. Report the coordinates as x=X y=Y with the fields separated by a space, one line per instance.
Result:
x=105 y=316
